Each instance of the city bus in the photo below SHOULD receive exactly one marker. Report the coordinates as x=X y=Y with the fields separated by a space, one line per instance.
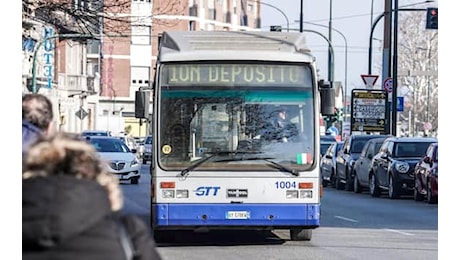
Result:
x=217 y=164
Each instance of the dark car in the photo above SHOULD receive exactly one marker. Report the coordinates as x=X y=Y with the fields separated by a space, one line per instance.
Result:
x=347 y=157
x=325 y=142
x=393 y=166
x=327 y=164
x=426 y=176
x=363 y=164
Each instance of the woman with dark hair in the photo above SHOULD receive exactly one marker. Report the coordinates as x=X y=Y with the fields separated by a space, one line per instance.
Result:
x=71 y=206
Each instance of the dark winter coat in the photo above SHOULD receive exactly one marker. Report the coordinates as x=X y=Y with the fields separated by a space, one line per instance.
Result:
x=30 y=133
x=67 y=218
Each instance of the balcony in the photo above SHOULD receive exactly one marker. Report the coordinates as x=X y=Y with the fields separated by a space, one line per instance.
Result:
x=78 y=83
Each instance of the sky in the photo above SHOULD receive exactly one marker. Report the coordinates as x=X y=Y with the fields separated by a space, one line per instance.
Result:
x=351 y=27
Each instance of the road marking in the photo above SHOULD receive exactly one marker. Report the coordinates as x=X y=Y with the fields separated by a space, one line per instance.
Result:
x=399 y=232
x=347 y=219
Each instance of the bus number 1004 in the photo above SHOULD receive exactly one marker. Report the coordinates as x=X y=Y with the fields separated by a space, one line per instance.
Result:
x=286 y=184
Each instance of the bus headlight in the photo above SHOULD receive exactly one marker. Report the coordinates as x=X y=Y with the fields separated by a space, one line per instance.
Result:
x=181 y=194
x=291 y=194
x=306 y=194
x=167 y=193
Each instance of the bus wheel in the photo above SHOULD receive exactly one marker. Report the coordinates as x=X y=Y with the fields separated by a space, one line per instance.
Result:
x=298 y=234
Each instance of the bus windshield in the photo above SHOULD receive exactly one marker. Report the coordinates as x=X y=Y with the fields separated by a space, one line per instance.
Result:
x=236 y=113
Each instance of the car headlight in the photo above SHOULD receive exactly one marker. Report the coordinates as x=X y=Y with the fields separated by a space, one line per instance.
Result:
x=401 y=167
x=134 y=163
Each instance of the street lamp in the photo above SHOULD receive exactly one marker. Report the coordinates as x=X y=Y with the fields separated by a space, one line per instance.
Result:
x=346 y=57
x=277 y=9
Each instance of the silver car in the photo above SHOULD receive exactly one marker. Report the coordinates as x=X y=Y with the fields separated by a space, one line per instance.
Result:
x=147 y=153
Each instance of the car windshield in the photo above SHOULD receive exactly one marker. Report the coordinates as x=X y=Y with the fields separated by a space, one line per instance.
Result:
x=411 y=149
x=358 y=145
x=148 y=140
x=110 y=146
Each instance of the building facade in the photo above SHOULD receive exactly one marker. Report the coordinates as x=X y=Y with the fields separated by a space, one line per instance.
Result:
x=93 y=82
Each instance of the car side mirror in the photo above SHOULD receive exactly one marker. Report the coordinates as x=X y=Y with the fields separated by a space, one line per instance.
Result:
x=134 y=150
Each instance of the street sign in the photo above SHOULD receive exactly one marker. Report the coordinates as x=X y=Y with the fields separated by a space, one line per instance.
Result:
x=369 y=110
x=388 y=84
x=369 y=80
x=81 y=113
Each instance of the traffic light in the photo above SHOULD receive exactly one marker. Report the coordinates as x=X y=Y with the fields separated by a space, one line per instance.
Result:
x=275 y=28
x=432 y=18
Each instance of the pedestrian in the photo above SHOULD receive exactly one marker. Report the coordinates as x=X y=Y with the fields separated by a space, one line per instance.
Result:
x=71 y=207
x=37 y=117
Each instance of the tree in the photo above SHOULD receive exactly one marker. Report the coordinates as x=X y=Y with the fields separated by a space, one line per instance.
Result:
x=81 y=16
x=418 y=55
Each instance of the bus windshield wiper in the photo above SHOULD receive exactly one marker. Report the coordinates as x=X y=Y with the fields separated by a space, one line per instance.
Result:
x=201 y=161
x=283 y=168
x=276 y=165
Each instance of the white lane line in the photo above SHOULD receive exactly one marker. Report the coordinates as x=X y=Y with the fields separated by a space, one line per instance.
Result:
x=399 y=232
x=347 y=219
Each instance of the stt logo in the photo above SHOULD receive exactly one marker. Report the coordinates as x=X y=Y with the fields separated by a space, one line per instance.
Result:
x=206 y=191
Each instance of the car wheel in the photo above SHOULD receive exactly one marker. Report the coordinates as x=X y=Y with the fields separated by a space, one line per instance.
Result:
x=417 y=195
x=338 y=184
x=429 y=194
x=298 y=234
x=332 y=179
x=134 y=180
x=356 y=186
x=348 y=182
x=374 y=189
x=393 y=189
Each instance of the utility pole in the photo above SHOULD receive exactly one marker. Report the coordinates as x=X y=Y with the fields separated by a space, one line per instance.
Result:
x=301 y=16
x=394 y=93
x=331 y=69
x=386 y=62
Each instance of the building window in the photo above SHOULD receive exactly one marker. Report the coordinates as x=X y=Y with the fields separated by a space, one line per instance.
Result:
x=141 y=34
x=140 y=76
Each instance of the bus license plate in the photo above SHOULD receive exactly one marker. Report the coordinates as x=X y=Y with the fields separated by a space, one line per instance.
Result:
x=238 y=215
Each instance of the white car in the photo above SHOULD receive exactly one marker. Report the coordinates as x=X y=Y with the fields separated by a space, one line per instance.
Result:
x=120 y=160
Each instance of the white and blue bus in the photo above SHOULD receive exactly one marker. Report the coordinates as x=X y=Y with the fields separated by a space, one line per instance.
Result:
x=217 y=161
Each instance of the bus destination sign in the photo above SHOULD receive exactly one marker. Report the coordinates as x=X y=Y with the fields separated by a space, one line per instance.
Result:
x=369 y=111
x=236 y=75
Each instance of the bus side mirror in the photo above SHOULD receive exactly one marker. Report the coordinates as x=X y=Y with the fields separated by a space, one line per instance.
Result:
x=327 y=98
x=141 y=104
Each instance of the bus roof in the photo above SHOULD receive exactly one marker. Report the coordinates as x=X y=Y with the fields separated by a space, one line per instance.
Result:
x=234 y=45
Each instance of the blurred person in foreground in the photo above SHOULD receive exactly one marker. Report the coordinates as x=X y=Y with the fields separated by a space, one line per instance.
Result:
x=37 y=117
x=71 y=207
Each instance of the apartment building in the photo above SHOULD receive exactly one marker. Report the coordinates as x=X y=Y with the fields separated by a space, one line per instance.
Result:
x=93 y=82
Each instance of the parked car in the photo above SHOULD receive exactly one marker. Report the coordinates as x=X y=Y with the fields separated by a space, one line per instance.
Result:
x=325 y=142
x=327 y=164
x=363 y=164
x=96 y=133
x=393 y=166
x=346 y=158
x=426 y=176
x=120 y=160
x=147 y=154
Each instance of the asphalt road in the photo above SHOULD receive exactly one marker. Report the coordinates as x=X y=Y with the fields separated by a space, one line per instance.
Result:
x=353 y=226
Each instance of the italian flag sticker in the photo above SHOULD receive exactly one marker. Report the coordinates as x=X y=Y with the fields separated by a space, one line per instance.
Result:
x=303 y=158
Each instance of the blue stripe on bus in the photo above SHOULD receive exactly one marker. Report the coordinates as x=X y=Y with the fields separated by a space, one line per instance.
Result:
x=260 y=214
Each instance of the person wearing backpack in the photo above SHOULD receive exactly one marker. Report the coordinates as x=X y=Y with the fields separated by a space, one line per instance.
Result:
x=71 y=207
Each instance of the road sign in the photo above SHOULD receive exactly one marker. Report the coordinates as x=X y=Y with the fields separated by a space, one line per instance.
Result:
x=399 y=104
x=81 y=113
x=388 y=84
x=369 y=80
x=369 y=110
